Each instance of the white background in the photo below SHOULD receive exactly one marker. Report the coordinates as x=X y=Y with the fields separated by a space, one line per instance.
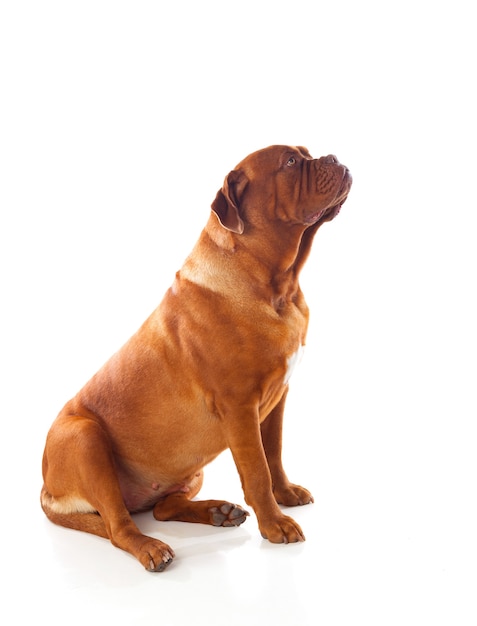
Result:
x=119 y=121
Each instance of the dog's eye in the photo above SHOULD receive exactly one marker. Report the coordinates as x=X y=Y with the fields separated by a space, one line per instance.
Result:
x=291 y=161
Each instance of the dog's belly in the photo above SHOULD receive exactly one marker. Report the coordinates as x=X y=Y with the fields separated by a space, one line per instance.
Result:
x=165 y=457
x=139 y=494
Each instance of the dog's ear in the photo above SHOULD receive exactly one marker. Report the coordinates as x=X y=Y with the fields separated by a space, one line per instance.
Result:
x=227 y=202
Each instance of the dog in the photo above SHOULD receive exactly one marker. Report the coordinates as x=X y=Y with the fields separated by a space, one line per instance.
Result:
x=207 y=371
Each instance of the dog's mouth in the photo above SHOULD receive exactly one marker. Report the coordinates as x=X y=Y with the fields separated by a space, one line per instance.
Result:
x=330 y=212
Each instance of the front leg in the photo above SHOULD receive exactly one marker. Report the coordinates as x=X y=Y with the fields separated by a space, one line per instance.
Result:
x=243 y=434
x=271 y=429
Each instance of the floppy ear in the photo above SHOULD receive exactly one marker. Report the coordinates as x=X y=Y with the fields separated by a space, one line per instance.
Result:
x=227 y=202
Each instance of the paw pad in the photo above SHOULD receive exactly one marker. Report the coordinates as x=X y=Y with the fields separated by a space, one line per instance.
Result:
x=228 y=515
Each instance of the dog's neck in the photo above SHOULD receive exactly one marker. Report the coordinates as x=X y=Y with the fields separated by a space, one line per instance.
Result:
x=285 y=271
x=277 y=257
x=281 y=250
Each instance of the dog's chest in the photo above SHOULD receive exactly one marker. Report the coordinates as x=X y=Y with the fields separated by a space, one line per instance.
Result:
x=292 y=362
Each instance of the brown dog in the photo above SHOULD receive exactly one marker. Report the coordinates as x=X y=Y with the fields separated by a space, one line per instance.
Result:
x=207 y=371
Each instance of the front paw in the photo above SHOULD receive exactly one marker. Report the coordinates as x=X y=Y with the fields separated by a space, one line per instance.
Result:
x=282 y=530
x=292 y=495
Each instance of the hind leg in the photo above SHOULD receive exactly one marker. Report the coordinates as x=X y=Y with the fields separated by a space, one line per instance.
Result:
x=81 y=490
x=180 y=507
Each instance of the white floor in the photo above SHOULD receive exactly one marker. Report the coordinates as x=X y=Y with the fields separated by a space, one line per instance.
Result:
x=390 y=539
x=119 y=122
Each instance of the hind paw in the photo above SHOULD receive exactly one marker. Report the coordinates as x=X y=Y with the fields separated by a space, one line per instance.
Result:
x=227 y=514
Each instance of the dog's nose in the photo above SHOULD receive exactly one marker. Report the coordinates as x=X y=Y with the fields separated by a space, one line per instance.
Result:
x=331 y=159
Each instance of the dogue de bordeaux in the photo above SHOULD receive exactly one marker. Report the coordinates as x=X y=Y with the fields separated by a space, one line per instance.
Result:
x=208 y=370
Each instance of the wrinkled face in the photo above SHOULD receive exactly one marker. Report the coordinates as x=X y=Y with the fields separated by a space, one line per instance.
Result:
x=282 y=183
x=300 y=189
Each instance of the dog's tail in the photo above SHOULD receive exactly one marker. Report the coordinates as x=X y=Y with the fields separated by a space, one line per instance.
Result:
x=73 y=513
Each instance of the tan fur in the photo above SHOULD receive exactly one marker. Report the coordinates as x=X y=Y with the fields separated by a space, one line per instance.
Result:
x=206 y=371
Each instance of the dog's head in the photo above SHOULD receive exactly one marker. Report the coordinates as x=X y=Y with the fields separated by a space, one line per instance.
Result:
x=282 y=183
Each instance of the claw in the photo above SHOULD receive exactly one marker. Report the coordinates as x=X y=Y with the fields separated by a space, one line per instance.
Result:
x=161 y=566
